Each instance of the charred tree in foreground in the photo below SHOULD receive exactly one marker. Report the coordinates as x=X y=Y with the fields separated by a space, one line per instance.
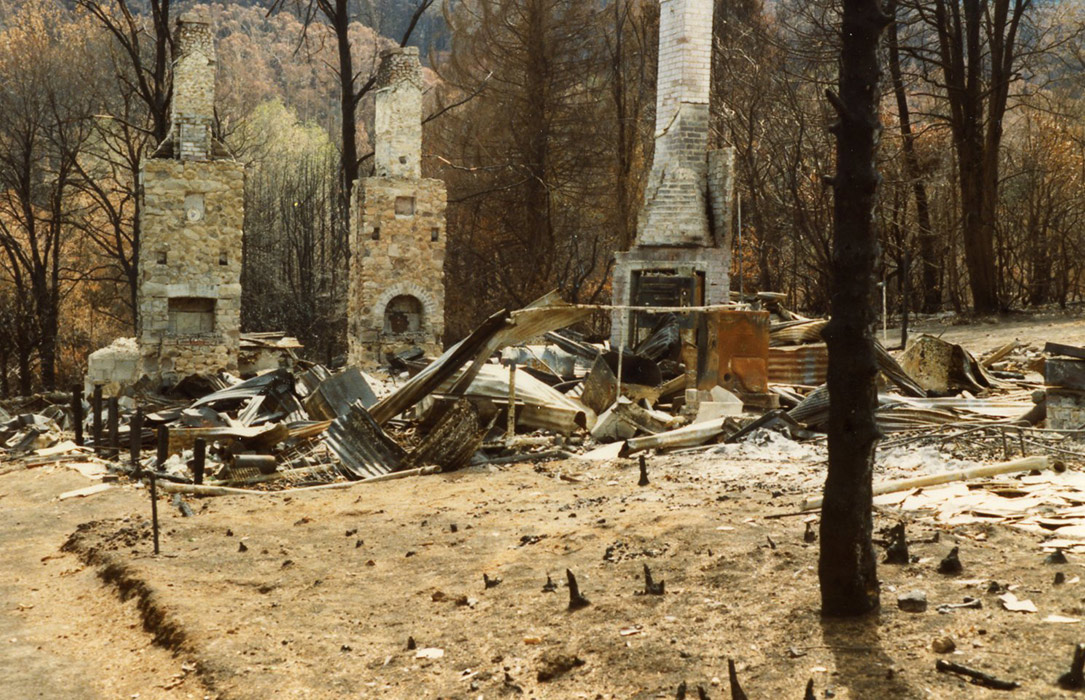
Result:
x=847 y=565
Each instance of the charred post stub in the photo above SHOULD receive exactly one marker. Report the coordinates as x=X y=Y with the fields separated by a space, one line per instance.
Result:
x=163 y=447
x=576 y=600
x=951 y=564
x=77 y=413
x=651 y=587
x=199 y=459
x=643 y=472
x=96 y=407
x=1074 y=679
x=736 y=689
x=135 y=439
x=113 y=427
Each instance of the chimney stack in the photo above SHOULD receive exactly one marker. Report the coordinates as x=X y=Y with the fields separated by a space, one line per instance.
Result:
x=193 y=107
x=398 y=118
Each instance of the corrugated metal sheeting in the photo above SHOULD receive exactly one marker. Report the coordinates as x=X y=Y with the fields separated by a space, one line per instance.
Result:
x=363 y=449
x=804 y=365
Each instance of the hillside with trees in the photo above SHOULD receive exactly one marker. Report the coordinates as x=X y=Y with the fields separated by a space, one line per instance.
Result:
x=540 y=120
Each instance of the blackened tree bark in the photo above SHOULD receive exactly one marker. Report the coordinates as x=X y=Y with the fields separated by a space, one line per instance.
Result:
x=847 y=567
x=928 y=256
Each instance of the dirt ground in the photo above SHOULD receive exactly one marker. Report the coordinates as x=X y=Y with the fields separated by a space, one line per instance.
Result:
x=317 y=594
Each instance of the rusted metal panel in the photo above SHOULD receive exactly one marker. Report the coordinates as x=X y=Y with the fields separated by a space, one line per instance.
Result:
x=805 y=365
x=743 y=351
x=797 y=332
x=363 y=449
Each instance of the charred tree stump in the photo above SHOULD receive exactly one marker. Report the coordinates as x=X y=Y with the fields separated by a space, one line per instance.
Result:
x=1074 y=679
x=847 y=564
x=736 y=689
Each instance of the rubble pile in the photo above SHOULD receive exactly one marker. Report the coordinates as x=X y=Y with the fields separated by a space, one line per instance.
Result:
x=525 y=386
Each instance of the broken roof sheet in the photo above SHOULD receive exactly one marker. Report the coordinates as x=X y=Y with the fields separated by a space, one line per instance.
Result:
x=363 y=449
x=501 y=329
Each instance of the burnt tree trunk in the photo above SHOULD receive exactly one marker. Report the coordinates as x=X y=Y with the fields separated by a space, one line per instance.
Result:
x=339 y=17
x=847 y=567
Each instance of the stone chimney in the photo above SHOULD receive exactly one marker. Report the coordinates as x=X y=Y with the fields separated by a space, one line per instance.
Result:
x=397 y=123
x=193 y=107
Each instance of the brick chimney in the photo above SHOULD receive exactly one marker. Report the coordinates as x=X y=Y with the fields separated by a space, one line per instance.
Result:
x=675 y=211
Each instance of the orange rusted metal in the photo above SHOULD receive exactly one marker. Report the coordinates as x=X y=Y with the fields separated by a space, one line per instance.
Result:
x=741 y=351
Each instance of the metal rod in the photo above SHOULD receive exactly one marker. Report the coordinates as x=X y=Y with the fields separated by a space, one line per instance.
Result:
x=163 y=453
x=96 y=406
x=77 y=413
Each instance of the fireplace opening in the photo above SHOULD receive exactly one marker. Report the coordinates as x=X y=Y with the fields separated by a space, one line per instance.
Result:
x=191 y=316
x=403 y=315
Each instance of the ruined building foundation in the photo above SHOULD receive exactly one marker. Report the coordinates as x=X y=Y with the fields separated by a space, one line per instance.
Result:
x=192 y=215
x=682 y=252
x=396 y=300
